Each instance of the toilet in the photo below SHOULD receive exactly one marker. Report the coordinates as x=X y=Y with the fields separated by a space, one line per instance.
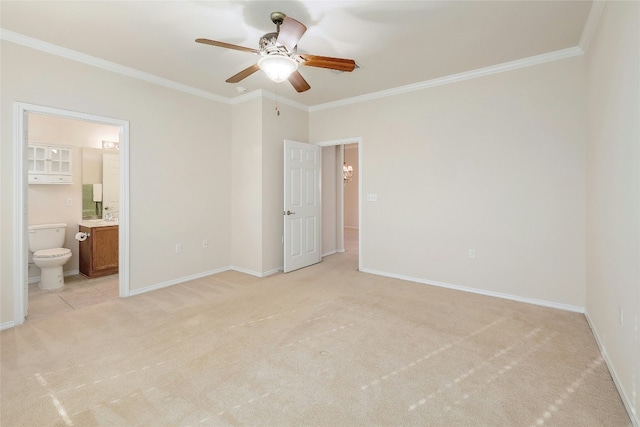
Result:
x=45 y=241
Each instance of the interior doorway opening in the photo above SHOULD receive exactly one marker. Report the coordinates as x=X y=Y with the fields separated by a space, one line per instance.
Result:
x=21 y=221
x=342 y=196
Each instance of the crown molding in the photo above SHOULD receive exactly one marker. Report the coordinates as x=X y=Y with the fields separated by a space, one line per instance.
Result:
x=106 y=65
x=245 y=97
x=262 y=93
x=592 y=24
x=285 y=101
x=467 y=75
x=73 y=55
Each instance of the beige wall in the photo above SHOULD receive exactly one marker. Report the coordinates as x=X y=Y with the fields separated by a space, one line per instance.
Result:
x=47 y=203
x=292 y=123
x=613 y=193
x=180 y=150
x=246 y=176
x=497 y=165
x=258 y=181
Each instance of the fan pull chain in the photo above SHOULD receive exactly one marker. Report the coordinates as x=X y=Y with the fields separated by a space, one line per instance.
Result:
x=276 y=107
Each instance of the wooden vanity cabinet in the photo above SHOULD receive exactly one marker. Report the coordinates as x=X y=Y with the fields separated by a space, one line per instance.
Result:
x=99 y=253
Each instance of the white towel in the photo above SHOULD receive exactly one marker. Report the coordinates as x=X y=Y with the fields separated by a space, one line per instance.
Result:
x=97 y=192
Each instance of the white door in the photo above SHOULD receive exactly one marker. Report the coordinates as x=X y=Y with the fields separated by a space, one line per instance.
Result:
x=302 y=237
x=110 y=185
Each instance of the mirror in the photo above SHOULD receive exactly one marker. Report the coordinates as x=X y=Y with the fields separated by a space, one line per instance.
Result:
x=92 y=182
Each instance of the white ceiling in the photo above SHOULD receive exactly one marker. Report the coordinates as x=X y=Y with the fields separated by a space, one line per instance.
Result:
x=395 y=43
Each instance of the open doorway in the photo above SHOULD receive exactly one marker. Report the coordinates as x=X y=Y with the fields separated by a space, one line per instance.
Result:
x=351 y=207
x=342 y=197
x=29 y=204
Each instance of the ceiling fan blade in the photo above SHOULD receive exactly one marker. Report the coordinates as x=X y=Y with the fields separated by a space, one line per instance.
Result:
x=290 y=32
x=243 y=74
x=227 y=45
x=339 y=64
x=298 y=82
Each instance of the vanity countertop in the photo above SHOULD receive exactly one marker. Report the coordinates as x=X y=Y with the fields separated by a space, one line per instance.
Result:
x=93 y=223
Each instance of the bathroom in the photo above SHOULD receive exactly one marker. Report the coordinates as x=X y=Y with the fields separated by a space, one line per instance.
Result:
x=72 y=204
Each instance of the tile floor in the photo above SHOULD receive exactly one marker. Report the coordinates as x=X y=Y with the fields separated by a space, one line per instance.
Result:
x=77 y=292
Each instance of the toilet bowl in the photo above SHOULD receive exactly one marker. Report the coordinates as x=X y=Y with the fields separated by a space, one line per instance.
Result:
x=50 y=262
x=45 y=242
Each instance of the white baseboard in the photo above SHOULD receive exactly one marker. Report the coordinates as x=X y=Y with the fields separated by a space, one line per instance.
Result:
x=616 y=379
x=543 y=303
x=255 y=273
x=7 y=325
x=329 y=253
x=176 y=281
x=200 y=275
x=351 y=227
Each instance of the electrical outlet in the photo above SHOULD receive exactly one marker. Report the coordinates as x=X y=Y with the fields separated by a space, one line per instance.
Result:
x=69 y=202
x=178 y=248
x=205 y=243
x=472 y=253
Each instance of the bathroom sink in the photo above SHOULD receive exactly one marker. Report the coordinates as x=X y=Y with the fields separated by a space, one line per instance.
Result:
x=98 y=223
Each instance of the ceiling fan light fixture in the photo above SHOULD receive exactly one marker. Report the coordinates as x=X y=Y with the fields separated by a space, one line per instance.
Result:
x=277 y=67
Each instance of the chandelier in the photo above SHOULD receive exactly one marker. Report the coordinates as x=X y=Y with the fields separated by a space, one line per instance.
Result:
x=347 y=172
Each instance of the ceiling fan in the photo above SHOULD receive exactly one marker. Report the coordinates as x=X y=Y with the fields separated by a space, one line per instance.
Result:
x=280 y=57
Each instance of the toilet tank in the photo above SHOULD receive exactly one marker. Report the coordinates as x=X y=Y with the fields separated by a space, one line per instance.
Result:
x=46 y=236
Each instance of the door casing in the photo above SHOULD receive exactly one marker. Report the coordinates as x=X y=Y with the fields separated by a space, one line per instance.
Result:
x=340 y=192
x=21 y=247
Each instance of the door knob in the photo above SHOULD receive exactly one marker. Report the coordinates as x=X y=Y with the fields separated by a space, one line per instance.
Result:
x=290 y=213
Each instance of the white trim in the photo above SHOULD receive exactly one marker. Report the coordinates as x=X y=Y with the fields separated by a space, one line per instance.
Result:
x=256 y=273
x=533 y=301
x=21 y=267
x=105 y=65
x=6 y=325
x=184 y=279
x=177 y=281
x=592 y=24
x=344 y=141
x=20 y=271
x=454 y=78
x=262 y=93
x=286 y=101
x=124 y=219
x=245 y=97
x=331 y=253
x=628 y=404
x=73 y=55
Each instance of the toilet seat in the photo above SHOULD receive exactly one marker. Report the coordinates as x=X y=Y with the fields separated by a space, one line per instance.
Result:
x=52 y=253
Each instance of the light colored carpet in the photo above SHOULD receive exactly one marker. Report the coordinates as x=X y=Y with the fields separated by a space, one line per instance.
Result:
x=322 y=346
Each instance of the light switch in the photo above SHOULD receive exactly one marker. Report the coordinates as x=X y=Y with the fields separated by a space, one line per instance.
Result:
x=372 y=197
x=69 y=202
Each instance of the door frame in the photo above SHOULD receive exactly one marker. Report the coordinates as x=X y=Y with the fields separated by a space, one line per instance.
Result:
x=20 y=272
x=340 y=191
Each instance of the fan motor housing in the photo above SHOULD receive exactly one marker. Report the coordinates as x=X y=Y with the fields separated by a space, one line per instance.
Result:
x=268 y=44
